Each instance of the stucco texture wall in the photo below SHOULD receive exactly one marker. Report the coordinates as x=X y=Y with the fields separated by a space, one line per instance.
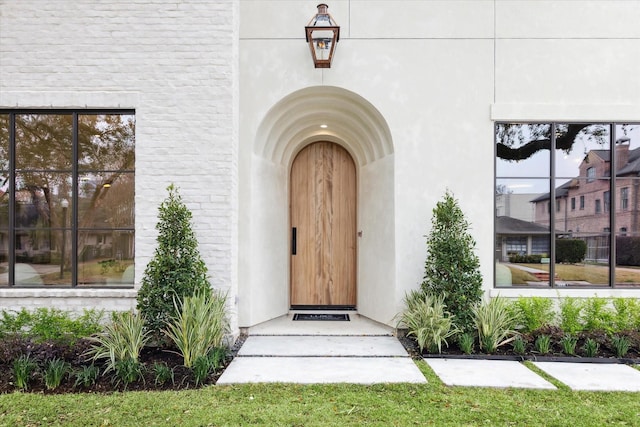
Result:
x=440 y=73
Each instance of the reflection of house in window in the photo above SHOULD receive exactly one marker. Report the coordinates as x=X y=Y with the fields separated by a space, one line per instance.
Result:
x=593 y=186
x=517 y=237
x=624 y=198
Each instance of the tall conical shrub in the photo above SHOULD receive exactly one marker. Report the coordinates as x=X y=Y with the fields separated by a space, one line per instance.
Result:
x=452 y=267
x=176 y=269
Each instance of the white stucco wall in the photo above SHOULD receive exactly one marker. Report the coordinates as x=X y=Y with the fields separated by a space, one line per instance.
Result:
x=429 y=76
x=440 y=73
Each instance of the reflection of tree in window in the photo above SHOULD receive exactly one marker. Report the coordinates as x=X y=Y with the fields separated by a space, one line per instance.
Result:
x=47 y=176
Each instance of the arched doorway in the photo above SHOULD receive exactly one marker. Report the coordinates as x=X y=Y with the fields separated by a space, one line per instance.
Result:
x=302 y=118
x=323 y=227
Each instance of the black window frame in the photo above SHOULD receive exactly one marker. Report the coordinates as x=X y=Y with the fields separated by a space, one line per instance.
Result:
x=74 y=227
x=611 y=177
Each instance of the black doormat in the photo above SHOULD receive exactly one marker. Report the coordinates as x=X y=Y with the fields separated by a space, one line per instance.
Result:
x=321 y=316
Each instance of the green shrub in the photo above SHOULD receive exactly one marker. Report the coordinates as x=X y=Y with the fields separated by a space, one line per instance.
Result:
x=626 y=315
x=519 y=345
x=542 y=344
x=568 y=343
x=597 y=314
x=452 y=269
x=426 y=318
x=199 y=326
x=466 y=342
x=494 y=323
x=54 y=372
x=525 y=259
x=628 y=252
x=590 y=347
x=570 y=251
x=23 y=368
x=86 y=376
x=176 y=269
x=162 y=373
x=13 y=322
x=128 y=370
x=620 y=345
x=571 y=315
x=533 y=312
x=51 y=324
x=121 y=340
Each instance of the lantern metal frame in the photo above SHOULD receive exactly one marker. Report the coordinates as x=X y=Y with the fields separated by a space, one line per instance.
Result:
x=322 y=23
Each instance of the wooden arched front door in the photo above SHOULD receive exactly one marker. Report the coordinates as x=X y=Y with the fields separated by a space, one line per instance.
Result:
x=323 y=227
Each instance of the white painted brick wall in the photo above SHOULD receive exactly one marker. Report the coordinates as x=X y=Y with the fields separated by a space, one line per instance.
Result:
x=176 y=64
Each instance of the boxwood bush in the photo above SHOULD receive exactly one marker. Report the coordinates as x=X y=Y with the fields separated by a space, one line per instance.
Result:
x=570 y=251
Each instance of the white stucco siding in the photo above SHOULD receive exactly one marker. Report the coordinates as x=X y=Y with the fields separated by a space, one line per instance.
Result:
x=176 y=64
x=439 y=73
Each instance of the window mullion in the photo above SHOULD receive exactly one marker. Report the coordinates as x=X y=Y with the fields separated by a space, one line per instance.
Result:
x=552 y=199
x=74 y=204
x=612 y=205
x=12 y=200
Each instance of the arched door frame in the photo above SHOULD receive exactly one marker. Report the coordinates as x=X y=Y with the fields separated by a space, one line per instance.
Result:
x=291 y=124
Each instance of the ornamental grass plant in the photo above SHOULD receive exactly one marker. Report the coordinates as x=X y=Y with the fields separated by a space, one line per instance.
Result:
x=495 y=323
x=199 y=325
x=427 y=319
x=121 y=341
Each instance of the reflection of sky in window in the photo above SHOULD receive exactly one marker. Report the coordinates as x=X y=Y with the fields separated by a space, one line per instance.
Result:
x=524 y=186
x=512 y=175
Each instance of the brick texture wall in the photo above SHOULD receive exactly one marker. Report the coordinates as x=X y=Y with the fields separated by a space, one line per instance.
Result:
x=176 y=64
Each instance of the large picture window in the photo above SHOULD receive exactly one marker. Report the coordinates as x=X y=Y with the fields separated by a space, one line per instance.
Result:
x=539 y=164
x=67 y=198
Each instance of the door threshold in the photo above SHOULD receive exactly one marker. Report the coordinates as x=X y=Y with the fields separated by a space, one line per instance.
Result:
x=324 y=307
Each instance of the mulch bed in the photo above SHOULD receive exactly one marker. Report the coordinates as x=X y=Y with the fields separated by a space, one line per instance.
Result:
x=605 y=352
x=74 y=355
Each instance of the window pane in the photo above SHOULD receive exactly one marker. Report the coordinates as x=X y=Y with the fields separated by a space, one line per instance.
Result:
x=106 y=142
x=4 y=143
x=4 y=199
x=522 y=150
x=106 y=200
x=40 y=197
x=522 y=232
x=44 y=141
x=105 y=257
x=583 y=150
x=627 y=260
x=627 y=212
x=39 y=259
x=593 y=270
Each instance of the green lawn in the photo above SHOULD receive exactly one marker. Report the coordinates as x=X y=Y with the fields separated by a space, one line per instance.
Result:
x=594 y=274
x=326 y=405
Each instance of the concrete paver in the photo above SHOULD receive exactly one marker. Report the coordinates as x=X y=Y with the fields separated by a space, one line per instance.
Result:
x=365 y=352
x=318 y=370
x=593 y=376
x=487 y=373
x=365 y=346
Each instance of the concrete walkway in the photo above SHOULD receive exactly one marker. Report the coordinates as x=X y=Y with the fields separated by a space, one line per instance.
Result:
x=361 y=351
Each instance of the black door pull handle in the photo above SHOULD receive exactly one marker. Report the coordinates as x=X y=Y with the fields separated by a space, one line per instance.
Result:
x=294 y=241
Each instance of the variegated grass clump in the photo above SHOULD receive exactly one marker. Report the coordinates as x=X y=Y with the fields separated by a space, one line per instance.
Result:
x=121 y=340
x=426 y=318
x=199 y=326
x=495 y=323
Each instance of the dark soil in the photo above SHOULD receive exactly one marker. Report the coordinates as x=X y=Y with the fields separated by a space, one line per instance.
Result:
x=74 y=354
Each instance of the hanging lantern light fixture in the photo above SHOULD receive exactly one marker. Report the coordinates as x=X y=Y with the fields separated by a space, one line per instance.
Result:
x=322 y=35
